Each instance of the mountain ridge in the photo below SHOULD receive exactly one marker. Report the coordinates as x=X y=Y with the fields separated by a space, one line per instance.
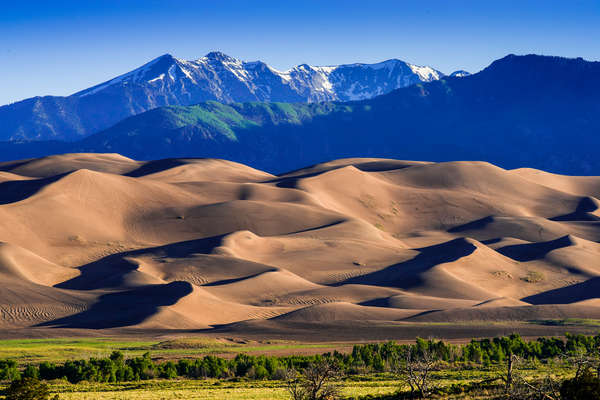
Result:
x=167 y=80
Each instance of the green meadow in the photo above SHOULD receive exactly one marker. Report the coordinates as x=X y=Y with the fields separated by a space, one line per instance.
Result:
x=56 y=350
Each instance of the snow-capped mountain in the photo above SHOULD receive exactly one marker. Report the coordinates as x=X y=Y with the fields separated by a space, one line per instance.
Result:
x=167 y=80
x=220 y=77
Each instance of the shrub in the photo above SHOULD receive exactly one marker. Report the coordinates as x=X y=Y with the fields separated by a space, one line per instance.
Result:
x=533 y=277
x=584 y=387
x=28 y=389
x=9 y=370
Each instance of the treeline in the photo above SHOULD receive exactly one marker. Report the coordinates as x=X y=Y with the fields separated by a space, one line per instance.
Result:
x=364 y=358
x=118 y=369
x=378 y=357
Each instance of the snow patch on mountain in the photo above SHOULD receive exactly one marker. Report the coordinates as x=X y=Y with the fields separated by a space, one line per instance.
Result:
x=160 y=77
x=460 y=73
x=426 y=74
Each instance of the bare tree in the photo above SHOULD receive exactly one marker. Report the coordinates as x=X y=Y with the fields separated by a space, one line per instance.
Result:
x=294 y=384
x=315 y=383
x=414 y=368
x=516 y=387
x=318 y=378
x=509 y=379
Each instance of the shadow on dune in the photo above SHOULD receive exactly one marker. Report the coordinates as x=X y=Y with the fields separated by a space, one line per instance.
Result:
x=491 y=241
x=473 y=225
x=380 y=166
x=407 y=274
x=126 y=308
x=589 y=289
x=533 y=251
x=108 y=271
x=9 y=166
x=316 y=228
x=240 y=279
x=289 y=180
x=152 y=167
x=378 y=302
x=586 y=205
x=14 y=191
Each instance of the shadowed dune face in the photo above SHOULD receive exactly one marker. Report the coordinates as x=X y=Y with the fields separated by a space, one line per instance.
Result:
x=100 y=241
x=135 y=306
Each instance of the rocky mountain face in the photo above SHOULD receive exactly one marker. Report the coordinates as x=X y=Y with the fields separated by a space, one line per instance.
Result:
x=167 y=80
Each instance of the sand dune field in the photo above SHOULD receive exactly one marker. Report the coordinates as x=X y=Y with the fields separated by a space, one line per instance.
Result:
x=100 y=242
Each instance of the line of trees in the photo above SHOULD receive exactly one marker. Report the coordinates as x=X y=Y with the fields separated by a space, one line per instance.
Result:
x=365 y=358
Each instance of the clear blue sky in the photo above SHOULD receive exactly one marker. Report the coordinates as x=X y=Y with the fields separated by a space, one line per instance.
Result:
x=59 y=47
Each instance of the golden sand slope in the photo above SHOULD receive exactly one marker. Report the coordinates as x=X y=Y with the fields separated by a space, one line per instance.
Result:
x=103 y=241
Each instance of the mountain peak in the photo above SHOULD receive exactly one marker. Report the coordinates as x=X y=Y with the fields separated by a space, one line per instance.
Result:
x=165 y=56
x=460 y=73
x=218 y=55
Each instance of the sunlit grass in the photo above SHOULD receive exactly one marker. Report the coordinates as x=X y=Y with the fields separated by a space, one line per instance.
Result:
x=38 y=350
x=204 y=389
x=352 y=387
x=568 y=322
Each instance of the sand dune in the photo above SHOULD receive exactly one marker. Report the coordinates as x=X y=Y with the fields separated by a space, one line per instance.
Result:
x=19 y=264
x=346 y=312
x=272 y=284
x=62 y=164
x=194 y=170
x=202 y=244
x=577 y=185
x=515 y=313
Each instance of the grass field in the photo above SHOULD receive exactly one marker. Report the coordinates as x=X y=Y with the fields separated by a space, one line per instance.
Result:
x=204 y=389
x=37 y=350
x=569 y=322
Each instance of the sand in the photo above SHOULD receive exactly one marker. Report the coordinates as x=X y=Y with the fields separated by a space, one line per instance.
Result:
x=102 y=243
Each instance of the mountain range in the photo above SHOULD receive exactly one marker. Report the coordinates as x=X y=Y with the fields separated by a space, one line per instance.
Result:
x=535 y=111
x=167 y=80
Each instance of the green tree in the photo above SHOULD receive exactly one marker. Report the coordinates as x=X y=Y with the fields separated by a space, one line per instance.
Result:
x=168 y=370
x=9 y=370
x=31 y=372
